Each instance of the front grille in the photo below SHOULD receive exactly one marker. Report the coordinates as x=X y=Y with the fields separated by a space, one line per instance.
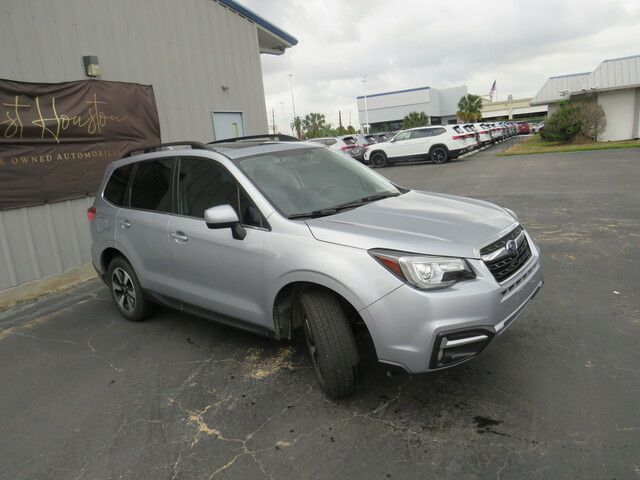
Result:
x=500 y=243
x=504 y=267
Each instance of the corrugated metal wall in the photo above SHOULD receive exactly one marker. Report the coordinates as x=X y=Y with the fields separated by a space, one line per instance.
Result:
x=186 y=49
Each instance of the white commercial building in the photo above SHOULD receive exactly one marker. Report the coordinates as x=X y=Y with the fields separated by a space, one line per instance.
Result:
x=614 y=85
x=385 y=111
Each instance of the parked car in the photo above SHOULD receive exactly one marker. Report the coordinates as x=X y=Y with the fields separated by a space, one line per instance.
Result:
x=537 y=127
x=437 y=143
x=484 y=135
x=277 y=238
x=347 y=144
x=523 y=128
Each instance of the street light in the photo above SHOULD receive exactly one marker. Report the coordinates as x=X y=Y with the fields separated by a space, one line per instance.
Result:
x=282 y=105
x=293 y=102
x=366 y=110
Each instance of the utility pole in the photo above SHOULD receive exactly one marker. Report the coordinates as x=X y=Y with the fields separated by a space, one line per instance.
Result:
x=340 y=118
x=349 y=116
x=273 y=120
x=284 y=125
x=365 y=128
x=293 y=102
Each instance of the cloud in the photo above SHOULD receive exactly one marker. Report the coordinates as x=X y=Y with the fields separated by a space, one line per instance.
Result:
x=410 y=43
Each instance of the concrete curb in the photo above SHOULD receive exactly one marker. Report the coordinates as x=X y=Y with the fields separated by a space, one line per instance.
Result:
x=46 y=286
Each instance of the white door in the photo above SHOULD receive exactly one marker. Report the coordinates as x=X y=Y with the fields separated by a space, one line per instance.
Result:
x=227 y=125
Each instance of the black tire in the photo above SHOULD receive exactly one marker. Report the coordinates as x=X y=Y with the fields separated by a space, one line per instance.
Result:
x=126 y=291
x=330 y=341
x=439 y=155
x=378 y=159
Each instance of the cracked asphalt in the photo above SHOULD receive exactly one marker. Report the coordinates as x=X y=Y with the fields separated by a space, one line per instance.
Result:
x=85 y=394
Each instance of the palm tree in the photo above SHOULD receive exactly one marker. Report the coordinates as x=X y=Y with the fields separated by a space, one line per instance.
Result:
x=314 y=124
x=296 y=124
x=415 y=119
x=470 y=108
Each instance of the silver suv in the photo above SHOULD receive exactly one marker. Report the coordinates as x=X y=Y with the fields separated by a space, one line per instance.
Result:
x=278 y=236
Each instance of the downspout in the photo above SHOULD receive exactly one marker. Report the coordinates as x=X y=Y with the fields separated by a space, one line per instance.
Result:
x=636 y=115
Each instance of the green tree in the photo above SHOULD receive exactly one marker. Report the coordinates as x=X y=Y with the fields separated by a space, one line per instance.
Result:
x=415 y=119
x=314 y=125
x=351 y=130
x=296 y=124
x=563 y=124
x=470 y=108
x=341 y=130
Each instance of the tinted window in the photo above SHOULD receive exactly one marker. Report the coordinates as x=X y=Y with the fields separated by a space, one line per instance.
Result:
x=419 y=133
x=116 y=188
x=202 y=184
x=330 y=141
x=151 y=186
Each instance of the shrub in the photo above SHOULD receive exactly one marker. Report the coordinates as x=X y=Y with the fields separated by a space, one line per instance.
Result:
x=564 y=124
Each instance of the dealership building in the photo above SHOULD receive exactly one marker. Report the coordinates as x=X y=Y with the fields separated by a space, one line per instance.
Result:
x=385 y=111
x=202 y=58
x=614 y=85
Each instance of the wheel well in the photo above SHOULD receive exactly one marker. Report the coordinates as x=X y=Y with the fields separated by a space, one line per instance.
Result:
x=284 y=313
x=107 y=256
x=438 y=145
x=377 y=151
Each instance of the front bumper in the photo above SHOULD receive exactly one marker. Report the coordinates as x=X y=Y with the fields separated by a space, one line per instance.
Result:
x=408 y=325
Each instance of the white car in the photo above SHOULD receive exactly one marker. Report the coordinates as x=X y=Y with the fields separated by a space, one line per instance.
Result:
x=484 y=133
x=438 y=143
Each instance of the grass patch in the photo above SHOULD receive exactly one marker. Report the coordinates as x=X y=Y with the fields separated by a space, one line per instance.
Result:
x=535 y=145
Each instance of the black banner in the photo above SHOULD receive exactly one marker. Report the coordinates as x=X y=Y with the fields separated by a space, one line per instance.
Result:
x=57 y=138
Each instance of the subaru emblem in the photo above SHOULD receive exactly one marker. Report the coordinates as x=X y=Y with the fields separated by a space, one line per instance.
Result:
x=511 y=246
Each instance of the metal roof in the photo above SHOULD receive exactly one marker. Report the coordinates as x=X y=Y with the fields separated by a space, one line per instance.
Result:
x=394 y=92
x=289 y=39
x=612 y=74
x=552 y=88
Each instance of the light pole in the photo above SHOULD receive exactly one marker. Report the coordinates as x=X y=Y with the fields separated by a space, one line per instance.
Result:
x=366 y=110
x=293 y=102
x=283 y=122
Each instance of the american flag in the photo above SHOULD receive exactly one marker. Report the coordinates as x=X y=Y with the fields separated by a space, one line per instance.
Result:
x=492 y=91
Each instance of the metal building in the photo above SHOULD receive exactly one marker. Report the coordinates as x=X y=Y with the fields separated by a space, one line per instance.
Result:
x=201 y=56
x=385 y=111
x=614 y=85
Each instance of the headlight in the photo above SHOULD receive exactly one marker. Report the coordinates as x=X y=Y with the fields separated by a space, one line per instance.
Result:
x=424 y=271
x=511 y=212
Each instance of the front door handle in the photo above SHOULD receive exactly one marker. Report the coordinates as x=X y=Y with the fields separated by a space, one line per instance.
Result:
x=179 y=236
x=125 y=224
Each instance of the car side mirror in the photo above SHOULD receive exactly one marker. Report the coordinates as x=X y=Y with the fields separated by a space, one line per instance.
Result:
x=224 y=216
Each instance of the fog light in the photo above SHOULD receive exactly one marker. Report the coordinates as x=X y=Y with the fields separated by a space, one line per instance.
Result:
x=457 y=346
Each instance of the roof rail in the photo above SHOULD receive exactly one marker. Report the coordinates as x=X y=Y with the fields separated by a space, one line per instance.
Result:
x=155 y=148
x=267 y=136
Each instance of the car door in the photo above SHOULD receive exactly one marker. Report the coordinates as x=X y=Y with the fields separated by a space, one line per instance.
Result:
x=399 y=146
x=142 y=224
x=419 y=143
x=215 y=271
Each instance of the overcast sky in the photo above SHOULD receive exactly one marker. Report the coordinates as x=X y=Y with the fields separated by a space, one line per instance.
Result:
x=411 y=43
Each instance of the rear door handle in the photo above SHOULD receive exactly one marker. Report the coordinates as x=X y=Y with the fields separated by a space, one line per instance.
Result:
x=179 y=236
x=125 y=224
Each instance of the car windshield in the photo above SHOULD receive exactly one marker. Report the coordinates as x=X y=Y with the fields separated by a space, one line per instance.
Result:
x=314 y=181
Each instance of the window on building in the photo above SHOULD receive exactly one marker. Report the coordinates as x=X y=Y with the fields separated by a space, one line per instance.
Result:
x=151 y=186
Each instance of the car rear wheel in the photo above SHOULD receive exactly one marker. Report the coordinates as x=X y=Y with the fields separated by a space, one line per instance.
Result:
x=439 y=155
x=126 y=291
x=330 y=342
x=378 y=160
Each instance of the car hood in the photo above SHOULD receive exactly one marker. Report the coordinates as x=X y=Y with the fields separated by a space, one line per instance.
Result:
x=418 y=222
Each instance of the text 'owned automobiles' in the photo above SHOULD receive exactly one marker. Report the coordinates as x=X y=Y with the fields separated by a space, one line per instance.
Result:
x=279 y=237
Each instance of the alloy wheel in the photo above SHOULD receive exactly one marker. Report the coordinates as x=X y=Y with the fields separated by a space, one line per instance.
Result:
x=123 y=290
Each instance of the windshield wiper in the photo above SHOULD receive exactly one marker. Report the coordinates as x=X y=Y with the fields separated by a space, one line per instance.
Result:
x=323 y=212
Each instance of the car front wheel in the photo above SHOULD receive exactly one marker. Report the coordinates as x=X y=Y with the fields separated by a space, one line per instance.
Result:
x=330 y=342
x=439 y=155
x=378 y=160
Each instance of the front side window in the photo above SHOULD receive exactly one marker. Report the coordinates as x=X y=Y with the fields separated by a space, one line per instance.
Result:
x=116 y=189
x=151 y=186
x=306 y=180
x=203 y=184
x=402 y=136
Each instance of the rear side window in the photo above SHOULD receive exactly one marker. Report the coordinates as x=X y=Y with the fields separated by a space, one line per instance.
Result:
x=349 y=140
x=330 y=141
x=151 y=186
x=456 y=129
x=419 y=133
x=116 y=189
x=434 y=132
